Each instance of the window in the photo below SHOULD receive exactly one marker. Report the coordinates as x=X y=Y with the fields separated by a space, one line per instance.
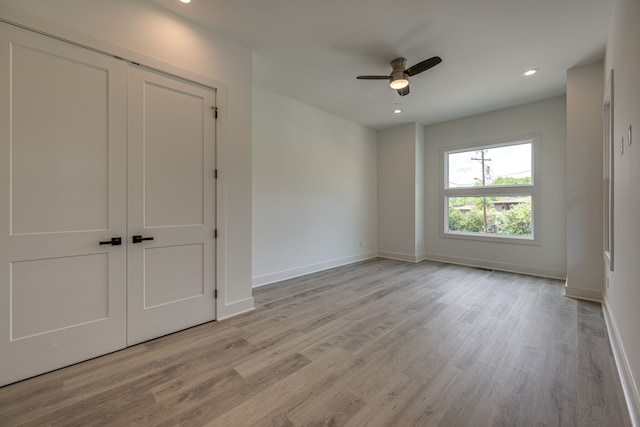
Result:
x=488 y=191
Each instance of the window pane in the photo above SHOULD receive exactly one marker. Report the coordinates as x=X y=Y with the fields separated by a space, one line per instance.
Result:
x=497 y=215
x=502 y=165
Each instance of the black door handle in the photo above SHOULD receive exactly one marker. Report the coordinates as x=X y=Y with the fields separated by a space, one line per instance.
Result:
x=138 y=239
x=115 y=241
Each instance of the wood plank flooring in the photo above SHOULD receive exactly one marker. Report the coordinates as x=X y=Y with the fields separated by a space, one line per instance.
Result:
x=377 y=343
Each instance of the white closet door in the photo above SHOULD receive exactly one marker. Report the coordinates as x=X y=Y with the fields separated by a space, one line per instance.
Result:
x=62 y=191
x=171 y=200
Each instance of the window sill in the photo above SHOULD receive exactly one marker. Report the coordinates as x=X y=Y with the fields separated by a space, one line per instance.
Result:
x=513 y=240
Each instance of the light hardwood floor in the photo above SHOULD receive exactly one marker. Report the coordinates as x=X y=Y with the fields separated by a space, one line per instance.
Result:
x=377 y=343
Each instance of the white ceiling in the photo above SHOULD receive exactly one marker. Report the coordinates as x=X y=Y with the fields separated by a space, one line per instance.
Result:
x=312 y=50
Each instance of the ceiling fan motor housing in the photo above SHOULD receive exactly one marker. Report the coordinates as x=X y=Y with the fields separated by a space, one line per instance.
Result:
x=398 y=78
x=399 y=64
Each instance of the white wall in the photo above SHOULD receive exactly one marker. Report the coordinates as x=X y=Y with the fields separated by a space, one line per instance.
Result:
x=546 y=118
x=585 y=91
x=397 y=192
x=143 y=32
x=314 y=189
x=622 y=297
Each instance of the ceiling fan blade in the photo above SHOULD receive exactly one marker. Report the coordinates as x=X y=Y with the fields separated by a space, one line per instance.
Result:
x=373 y=77
x=423 y=66
x=404 y=91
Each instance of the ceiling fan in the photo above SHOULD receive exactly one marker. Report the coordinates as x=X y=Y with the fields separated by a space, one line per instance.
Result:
x=399 y=77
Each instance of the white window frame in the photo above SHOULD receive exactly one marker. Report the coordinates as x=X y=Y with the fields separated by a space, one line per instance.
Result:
x=491 y=191
x=608 y=175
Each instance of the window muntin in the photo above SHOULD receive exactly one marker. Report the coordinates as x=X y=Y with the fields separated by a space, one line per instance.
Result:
x=488 y=191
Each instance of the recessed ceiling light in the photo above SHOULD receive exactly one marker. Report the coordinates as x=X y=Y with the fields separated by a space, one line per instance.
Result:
x=185 y=1
x=530 y=72
x=397 y=111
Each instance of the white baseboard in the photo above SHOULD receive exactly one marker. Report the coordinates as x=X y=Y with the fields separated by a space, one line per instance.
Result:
x=279 y=276
x=581 y=293
x=402 y=257
x=236 y=308
x=493 y=265
x=629 y=385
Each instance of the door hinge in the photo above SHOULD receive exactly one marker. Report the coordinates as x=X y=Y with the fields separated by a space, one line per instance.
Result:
x=215 y=173
x=215 y=233
x=215 y=112
x=215 y=293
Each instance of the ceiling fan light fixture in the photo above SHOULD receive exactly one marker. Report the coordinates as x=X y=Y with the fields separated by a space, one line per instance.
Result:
x=399 y=77
x=398 y=80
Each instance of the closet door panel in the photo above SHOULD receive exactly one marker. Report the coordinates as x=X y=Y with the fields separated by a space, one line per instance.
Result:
x=59 y=140
x=171 y=200
x=62 y=192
